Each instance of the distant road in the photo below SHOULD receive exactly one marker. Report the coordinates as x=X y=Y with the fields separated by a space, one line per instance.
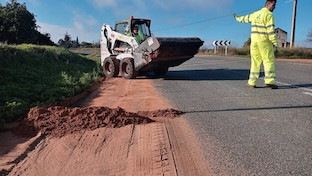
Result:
x=246 y=131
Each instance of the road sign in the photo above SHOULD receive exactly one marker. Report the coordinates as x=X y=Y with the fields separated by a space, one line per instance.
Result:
x=217 y=43
x=221 y=43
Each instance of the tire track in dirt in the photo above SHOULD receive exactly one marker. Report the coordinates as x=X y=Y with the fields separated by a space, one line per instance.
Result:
x=164 y=147
x=150 y=154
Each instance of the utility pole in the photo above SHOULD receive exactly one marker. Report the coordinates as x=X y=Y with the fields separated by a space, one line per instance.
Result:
x=293 y=26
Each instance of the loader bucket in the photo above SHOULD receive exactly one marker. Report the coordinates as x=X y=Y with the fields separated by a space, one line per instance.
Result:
x=172 y=52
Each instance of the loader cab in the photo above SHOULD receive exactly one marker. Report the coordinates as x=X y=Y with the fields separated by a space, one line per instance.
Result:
x=126 y=27
x=144 y=27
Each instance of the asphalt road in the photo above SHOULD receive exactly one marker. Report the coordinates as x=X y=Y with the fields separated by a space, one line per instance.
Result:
x=246 y=131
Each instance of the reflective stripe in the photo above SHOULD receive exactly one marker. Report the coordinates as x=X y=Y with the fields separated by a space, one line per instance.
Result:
x=264 y=33
x=248 y=18
x=264 y=27
x=270 y=72
x=253 y=79
x=258 y=26
x=271 y=33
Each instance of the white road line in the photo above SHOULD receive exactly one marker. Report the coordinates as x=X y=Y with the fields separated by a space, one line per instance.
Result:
x=302 y=88
x=307 y=93
x=306 y=89
x=284 y=84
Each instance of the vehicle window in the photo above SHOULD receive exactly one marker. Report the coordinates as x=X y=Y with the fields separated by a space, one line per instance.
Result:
x=122 y=28
x=144 y=29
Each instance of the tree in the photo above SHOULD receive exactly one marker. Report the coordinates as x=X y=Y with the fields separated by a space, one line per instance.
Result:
x=247 y=43
x=66 y=43
x=76 y=43
x=1 y=23
x=43 y=39
x=86 y=45
x=18 y=25
x=309 y=36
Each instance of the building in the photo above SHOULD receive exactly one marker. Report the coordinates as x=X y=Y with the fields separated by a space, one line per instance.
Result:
x=281 y=38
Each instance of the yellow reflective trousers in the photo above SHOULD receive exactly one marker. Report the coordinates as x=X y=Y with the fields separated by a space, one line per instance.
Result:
x=263 y=38
x=262 y=52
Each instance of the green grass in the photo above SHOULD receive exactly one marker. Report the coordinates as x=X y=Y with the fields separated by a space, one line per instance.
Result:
x=295 y=53
x=32 y=75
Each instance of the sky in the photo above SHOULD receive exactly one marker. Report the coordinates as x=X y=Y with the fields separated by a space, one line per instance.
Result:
x=209 y=20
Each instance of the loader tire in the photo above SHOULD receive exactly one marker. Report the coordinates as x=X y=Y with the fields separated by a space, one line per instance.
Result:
x=127 y=69
x=111 y=67
x=161 y=71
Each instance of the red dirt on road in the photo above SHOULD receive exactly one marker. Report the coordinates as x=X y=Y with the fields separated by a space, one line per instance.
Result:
x=120 y=127
x=59 y=121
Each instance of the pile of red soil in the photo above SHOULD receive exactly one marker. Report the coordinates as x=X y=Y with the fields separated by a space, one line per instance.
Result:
x=59 y=121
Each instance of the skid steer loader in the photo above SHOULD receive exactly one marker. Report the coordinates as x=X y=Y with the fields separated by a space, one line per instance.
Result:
x=122 y=53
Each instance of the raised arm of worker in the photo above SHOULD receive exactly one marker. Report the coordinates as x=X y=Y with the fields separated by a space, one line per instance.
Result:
x=243 y=19
x=266 y=27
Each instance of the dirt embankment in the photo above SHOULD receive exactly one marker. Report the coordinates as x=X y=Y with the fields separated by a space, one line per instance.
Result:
x=123 y=127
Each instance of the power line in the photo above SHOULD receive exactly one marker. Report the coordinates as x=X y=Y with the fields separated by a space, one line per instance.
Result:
x=209 y=19
x=192 y=23
x=200 y=21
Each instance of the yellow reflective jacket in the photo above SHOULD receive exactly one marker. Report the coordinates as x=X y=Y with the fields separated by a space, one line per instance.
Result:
x=262 y=25
x=137 y=37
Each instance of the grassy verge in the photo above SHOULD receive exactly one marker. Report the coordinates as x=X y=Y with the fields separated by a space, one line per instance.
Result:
x=32 y=75
x=295 y=53
x=290 y=53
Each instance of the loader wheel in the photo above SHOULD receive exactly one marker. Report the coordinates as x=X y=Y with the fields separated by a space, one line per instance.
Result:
x=111 y=67
x=161 y=71
x=127 y=68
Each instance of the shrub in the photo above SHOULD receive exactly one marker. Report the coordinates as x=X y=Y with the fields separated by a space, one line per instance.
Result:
x=305 y=53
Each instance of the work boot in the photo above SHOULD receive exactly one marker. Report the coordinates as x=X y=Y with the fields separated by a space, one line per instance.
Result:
x=272 y=86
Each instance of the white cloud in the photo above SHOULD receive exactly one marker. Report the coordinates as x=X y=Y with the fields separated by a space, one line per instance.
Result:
x=174 y=5
x=104 y=3
x=83 y=22
x=87 y=27
x=34 y=2
x=192 y=4
x=76 y=30
x=141 y=4
x=56 y=32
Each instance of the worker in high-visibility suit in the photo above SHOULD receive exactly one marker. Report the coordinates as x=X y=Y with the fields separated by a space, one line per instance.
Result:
x=136 y=35
x=263 y=43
